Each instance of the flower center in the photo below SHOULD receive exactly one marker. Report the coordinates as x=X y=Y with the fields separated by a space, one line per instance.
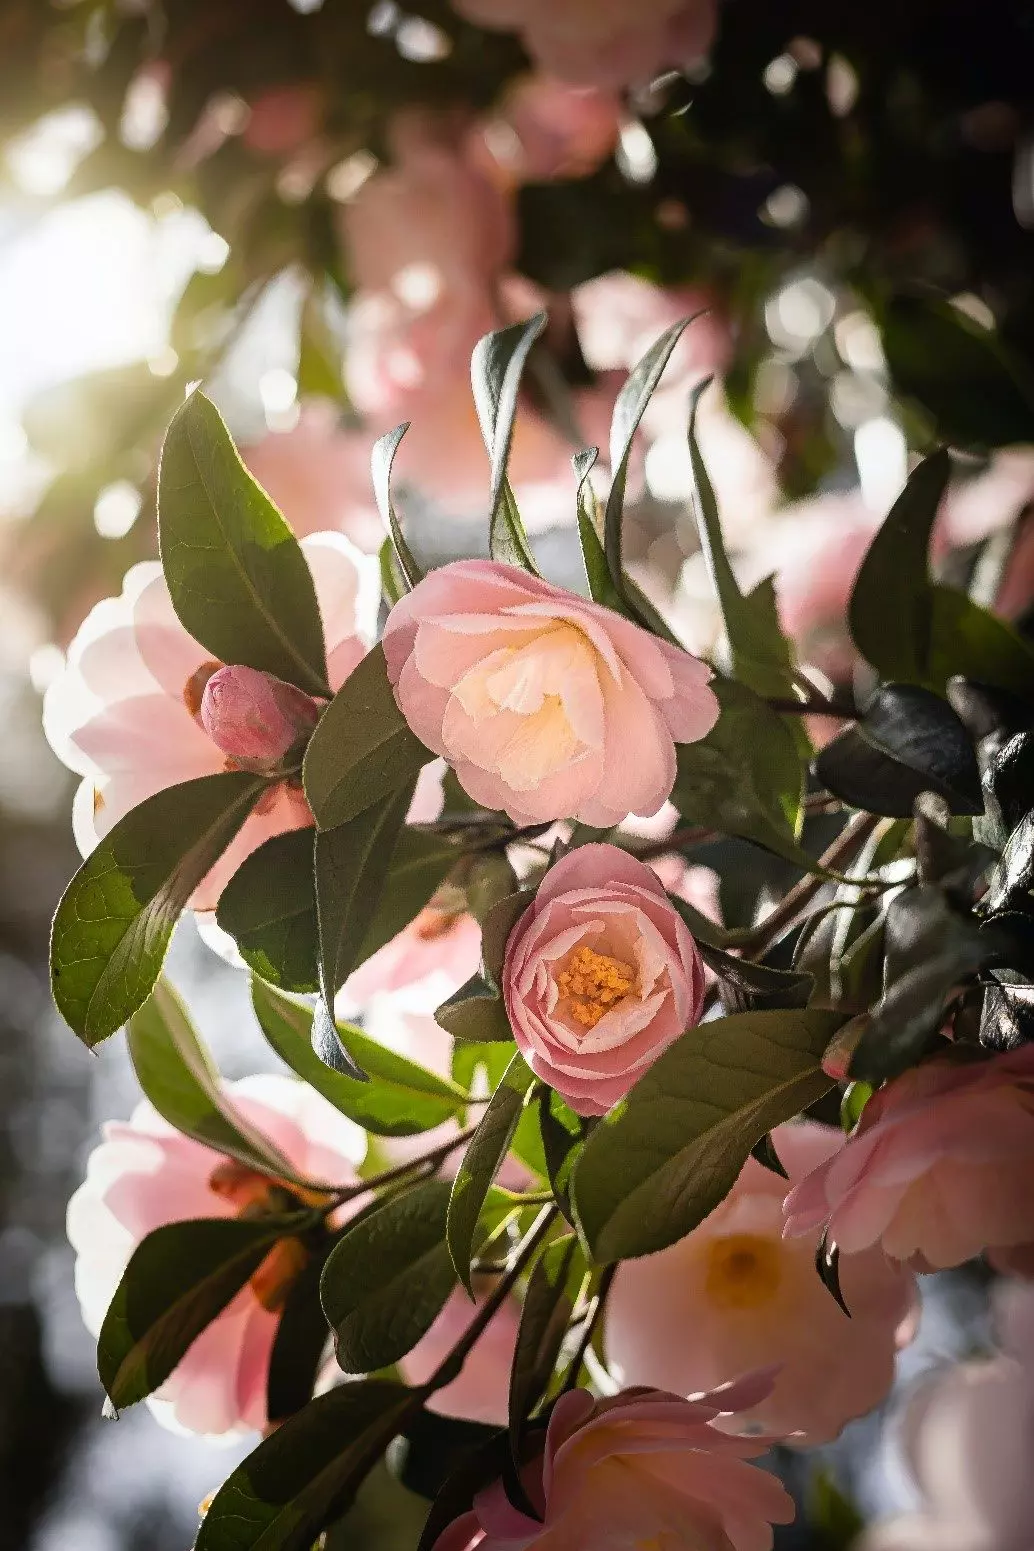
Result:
x=743 y=1271
x=592 y=983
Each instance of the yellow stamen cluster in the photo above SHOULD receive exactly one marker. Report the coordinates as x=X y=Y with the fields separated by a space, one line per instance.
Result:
x=744 y=1271
x=592 y=983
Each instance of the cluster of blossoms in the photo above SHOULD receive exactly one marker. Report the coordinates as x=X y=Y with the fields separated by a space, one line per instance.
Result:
x=440 y=833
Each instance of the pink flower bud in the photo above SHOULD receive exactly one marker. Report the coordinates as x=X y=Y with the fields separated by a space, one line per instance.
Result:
x=255 y=718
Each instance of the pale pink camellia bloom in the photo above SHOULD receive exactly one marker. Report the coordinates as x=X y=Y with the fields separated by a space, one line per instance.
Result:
x=609 y=43
x=966 y=1434
x=125 y=713
x=734 y=1295
x=144 y=1175
x=643 y=1469
x=601 y=976
x=937 y=1170
x=481 y=1392
x=545 y=129
x=545 y=705
x=619 y=316
x=318 y=473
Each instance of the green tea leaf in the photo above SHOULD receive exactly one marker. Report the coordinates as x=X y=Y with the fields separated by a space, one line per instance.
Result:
x=381 y=459
x=269 y=909
x=116 y=917
x=475 y=1012
x=482 y=1162
x=362 y=748
x=496 y=368
x=669 y=1153
x=400 y=1098
x=545 y=1316
x=302 y=1336
x=352 y=863
x=237 y=575
x=597 y=572
x=388 y=1279
x=179 y=1279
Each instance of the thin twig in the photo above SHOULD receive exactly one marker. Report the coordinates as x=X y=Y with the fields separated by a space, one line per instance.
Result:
x=850 y=840
x=591 y=1322
x=815 y=705
x=434 y=1156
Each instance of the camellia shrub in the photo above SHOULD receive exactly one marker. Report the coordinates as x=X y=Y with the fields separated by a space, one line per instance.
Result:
x=651 y=1186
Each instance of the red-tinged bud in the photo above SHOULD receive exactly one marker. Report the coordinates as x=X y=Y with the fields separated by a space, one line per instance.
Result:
x=255 y=718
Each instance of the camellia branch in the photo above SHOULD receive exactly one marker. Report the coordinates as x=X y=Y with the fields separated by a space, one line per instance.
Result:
x=851 y=839
x=430 y=1159
x=591 y=1321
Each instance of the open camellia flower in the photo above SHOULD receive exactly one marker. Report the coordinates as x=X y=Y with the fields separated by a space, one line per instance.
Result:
x=547 y=706
x=601 y=975
x=141 y=706
x=734 y=1295
x=643 y=1469
x=938 y=1169
x=144 y=1175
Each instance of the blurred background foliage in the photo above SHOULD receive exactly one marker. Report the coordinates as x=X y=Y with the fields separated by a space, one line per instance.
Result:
x=849 y=189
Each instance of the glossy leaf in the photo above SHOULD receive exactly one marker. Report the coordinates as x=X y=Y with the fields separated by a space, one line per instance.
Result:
x=399 y=1097
x=116 y=917
x=381 y=460
x=760 y=654
x=237 y=575
x=562 y=1135
x=306 y=1473
x=362 y=749
x=475 y=1012
x=481 y=1163
x=666 y=1156
x=496 y=368
x=269 y=909
x=545 y=1316
x=351 y=865
x=302 y=1338
x=179 y=1279
x=388 y=1279
x=597 y=572
x=179 y=1077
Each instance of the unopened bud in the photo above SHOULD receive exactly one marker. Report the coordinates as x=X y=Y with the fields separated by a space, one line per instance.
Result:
x=255 y=718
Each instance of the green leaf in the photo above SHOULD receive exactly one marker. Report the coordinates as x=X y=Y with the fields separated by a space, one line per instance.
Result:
x=475 y=1012
x=496 y=928
x=179 y=1279
x=966 y=639
x=177 y=1074
x=269 y=909
x=597 y=572
x=296 y=1360
x=116 y=917
x=629 y=409
x=388 y=1279
x=362 y=748
x=979 y=393
x=381 y=459
x=420 y=864
x=393 y=584
x=745 y=778
x=236 y=573
x=670 y=1152
x=319 y=357
x=306 y=1473
x=545 y=1316
x=562 y=1136
x=400 y=1098
x=760 y=654
x=470 y=1059
x=352 y=863
x=482 y=1161
x=496 y=367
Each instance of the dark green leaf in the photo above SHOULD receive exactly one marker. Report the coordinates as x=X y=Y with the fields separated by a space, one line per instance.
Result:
x=759 y=652
x=179 y=1279
x=475 y=1012
x=669 y=1153
x=301 y=1339
x=496 y=368
x=562 y=1135
x=745 y=778
x=420 y=864
x=381 y=459
x=496 y=928
x=836 y=1521
x=545 y=1316
x=115 y=919
x=269 y=909
x=1013 y=878
x=176 y=1073
x=393 y=584
x=399 y=1098
x=482 y=1464
x=966 y=639
x=237 y=575
x=352 y=862
x=388 y=1279
x=746 y=985
x=597 y=573
x=362 y=748
x=482 y=1161
x=629 y=410
x=306 y=1473
x=432 y=1448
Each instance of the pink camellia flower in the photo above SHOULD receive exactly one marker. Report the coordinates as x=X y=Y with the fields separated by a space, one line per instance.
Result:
x=481 y=1393
x=614 y=44
x=966 y=1434
x=600 y=976
x=937 y=1169
x=547 y=706
x=144 y=1175
x=643 y=1469
x=735 y=1295
x=546 y=129
x=129 y=712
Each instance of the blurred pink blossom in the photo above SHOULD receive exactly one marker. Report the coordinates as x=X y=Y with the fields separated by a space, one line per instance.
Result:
x=966 y=1434
x=610 y=43
x=282 y=119
x=124 y=713
x=144 y=1175
x=601 y=976
x=734 y=1295
x=937 y=1169
x=546 y=705
x=545 y=129
x=318 y=473
x=481 y=1392
x=642 y=1469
